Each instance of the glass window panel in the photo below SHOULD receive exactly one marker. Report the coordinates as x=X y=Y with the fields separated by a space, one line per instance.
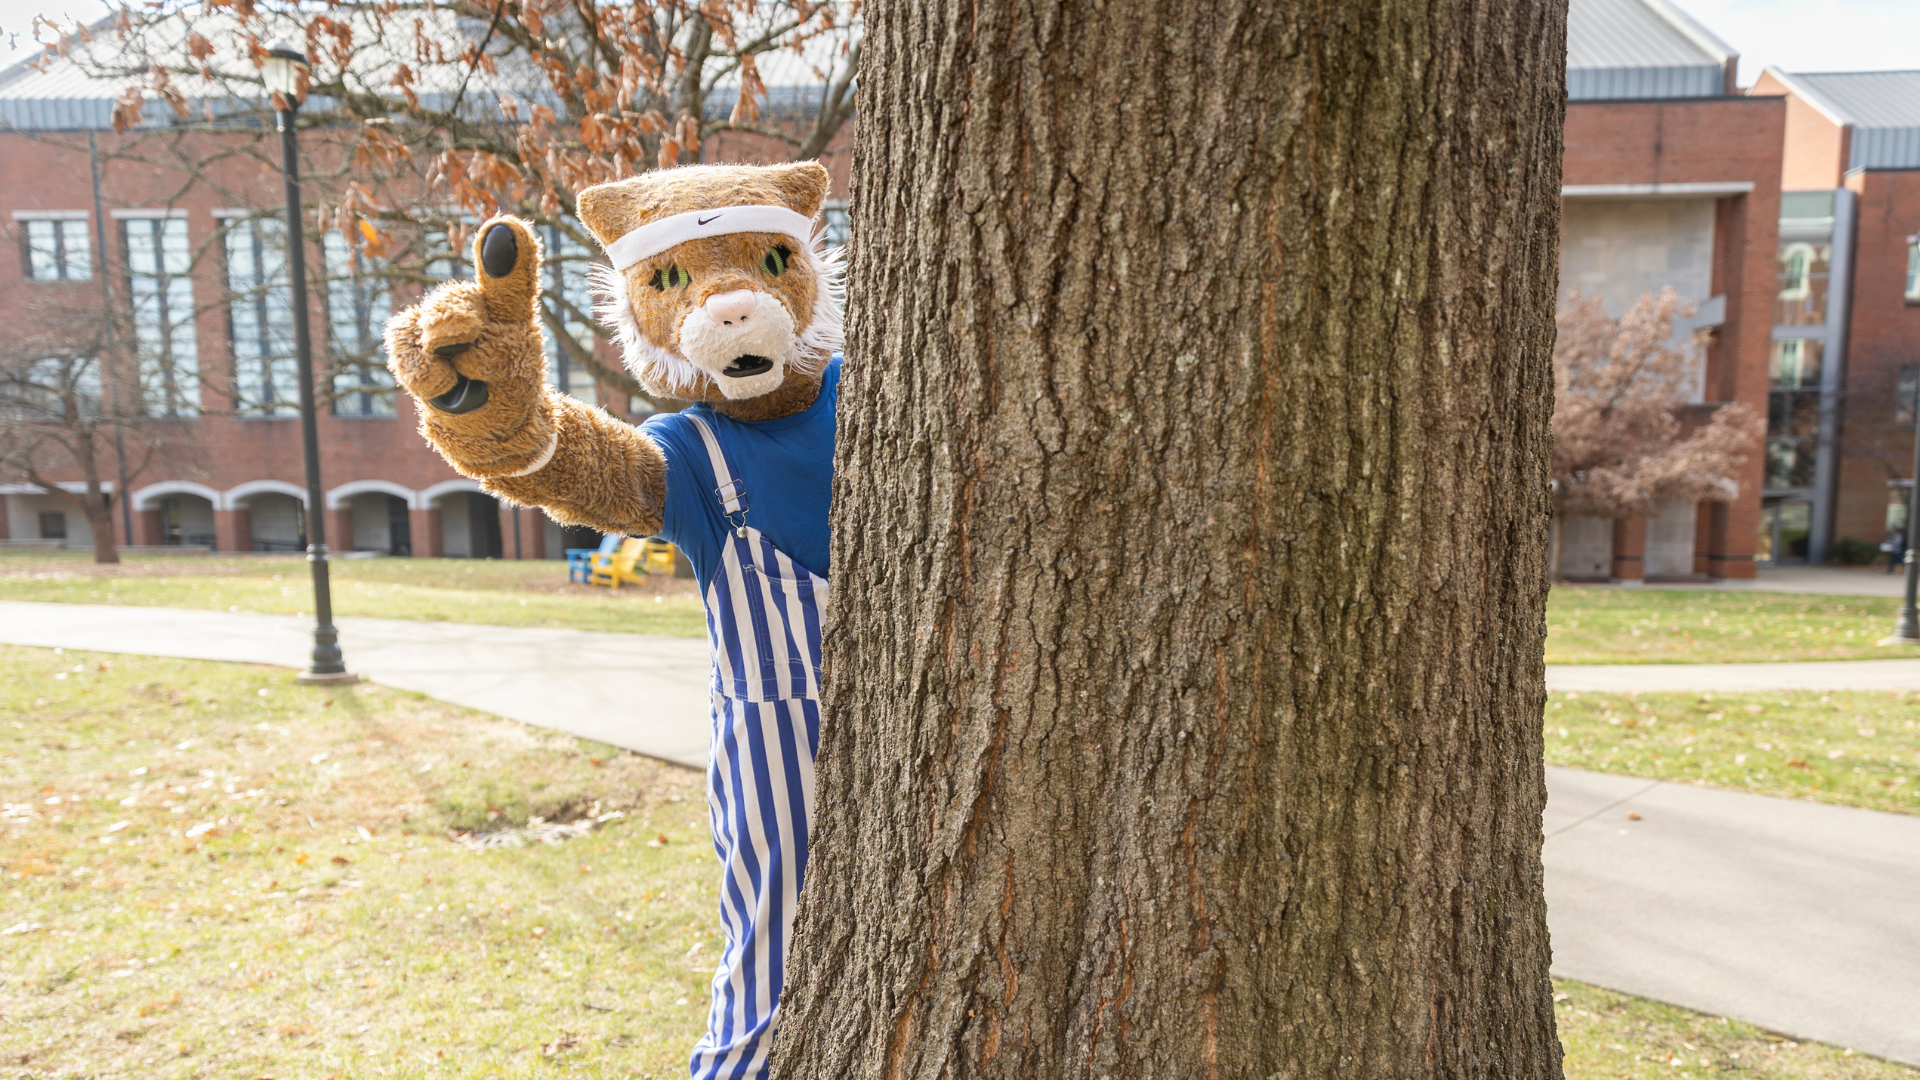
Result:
x=1903 y=395
x=163 y=315
x=1795 y=363
x=1913 y=269
x=1795 y=412
x=1796 y=524
x=76 y=258
x=566 y=264
x=261 y=316
x=43 y=250
x=1789 y=462
x=357 y=309
x=1802 y=299
x=839 y=224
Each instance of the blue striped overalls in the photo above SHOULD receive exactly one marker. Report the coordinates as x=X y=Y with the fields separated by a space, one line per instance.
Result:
x=763 y=621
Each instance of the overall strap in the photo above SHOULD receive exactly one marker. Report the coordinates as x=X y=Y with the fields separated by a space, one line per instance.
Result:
x=731 y=493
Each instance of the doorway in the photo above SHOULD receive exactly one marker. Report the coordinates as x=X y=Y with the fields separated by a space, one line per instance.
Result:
x=1785 y=525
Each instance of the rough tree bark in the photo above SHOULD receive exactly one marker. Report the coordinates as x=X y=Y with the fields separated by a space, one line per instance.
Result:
x=1190 y=547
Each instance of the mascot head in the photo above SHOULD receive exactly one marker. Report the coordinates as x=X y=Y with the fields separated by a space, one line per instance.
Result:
x=720 y=289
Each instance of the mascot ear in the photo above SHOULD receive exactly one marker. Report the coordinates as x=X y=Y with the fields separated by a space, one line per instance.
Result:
x=613 y=210
x=802 y=185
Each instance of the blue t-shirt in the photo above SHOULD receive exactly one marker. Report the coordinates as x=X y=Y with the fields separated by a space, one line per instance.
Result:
x=785 y=464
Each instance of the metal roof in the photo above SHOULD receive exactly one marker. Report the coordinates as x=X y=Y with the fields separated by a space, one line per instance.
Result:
x=1878 y=99
x=76 y=92
x=1641 y=49
x=1882 y=106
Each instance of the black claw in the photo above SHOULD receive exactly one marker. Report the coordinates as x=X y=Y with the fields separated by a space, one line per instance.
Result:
x=500 y=251
x=466 y=396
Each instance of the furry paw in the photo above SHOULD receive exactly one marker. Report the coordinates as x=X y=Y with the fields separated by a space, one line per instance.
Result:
x=472 y=352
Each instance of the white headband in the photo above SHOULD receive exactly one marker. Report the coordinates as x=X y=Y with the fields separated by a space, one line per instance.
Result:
x=657 y=236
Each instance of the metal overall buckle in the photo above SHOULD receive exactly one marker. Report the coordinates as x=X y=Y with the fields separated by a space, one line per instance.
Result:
x=734 y=491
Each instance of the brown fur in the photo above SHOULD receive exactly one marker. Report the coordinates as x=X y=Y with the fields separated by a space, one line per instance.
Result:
x=603 y=473
x=717 y=265
x=616 y=209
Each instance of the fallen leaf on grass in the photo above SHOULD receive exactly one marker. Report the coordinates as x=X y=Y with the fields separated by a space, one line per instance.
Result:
x=341 y=860
x=567 y=1041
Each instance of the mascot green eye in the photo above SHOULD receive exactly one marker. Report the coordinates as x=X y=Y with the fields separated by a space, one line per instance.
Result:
x=671 y=277
x=775 y=263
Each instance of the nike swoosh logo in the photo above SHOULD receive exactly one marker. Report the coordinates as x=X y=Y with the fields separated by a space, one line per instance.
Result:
x=703 y=221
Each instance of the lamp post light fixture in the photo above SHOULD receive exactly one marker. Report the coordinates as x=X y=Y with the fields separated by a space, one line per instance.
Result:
x=283 y=71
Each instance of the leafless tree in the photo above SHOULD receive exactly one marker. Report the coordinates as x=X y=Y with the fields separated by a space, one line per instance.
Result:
x=422 y=118
x=63 y=410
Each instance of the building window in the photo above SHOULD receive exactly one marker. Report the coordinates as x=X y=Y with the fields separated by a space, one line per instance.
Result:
x=1904 y=403
x=1793 y=413
x=443 y=261
x=566 y=265
x=839 y=224
x=158 y=261
x=1802 y=299
x=53 y=525
x=57 y=249
x=1913 y=268
x=357 y=309
x=260 y=313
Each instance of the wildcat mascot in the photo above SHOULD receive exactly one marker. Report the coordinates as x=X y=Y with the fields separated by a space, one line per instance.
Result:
x=721 y=294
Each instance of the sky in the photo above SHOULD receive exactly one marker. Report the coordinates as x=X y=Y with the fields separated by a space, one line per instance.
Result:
x=1797 y=35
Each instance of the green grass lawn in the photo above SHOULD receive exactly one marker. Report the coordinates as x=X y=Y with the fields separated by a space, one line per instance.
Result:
x=1611 y=1036
x=1860 y=748
x=210 y=872
x=1587 y=625
x=494 y=591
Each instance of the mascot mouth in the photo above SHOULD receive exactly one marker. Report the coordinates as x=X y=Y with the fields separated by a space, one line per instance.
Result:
x=745 y=367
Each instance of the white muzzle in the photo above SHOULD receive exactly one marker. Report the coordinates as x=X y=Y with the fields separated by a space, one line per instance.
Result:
x=745 y=331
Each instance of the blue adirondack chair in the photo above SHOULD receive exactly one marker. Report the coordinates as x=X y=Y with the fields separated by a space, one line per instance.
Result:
x=580 y=560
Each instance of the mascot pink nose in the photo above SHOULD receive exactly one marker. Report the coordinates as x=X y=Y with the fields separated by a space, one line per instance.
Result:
x=728 y=308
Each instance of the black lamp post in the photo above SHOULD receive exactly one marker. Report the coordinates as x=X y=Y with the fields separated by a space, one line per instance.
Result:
x=283 y=71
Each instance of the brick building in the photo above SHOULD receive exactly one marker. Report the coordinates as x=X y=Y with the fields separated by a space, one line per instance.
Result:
x=1672 y=179
x=197 y=260
x=1852 y=173
x=1788 y=215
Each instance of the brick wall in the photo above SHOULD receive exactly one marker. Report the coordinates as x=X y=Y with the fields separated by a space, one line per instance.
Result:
x=1814 y=153
x=1709 y=140
x=52 y=172
x=1883 y=335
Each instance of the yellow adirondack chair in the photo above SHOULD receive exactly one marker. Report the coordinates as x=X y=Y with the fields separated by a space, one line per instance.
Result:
x=621 y=566
x=632 y=562
x=657 y=557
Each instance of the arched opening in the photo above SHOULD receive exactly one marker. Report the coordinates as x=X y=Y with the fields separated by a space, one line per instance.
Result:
x=278 y=521
x=469 y=525
x=380 y=523
x=186 y=520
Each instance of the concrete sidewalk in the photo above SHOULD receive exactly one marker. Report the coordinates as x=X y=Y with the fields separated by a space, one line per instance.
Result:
x=1810 y=675
x=647 y=694
x=1800 y=917
x=1795 y=916
x=1821 y=580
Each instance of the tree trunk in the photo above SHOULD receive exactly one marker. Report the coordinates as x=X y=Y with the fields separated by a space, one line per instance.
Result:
x=106 y=547
x=1190 y=548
